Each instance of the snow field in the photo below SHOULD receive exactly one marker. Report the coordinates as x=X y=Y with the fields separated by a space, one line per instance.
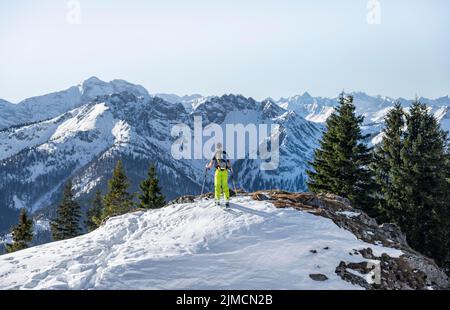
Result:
x=193 y=246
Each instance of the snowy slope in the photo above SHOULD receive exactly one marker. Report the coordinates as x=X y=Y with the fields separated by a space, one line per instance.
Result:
x=189 y=102
x=442 y=114
x=9 y=114
x=194 y=246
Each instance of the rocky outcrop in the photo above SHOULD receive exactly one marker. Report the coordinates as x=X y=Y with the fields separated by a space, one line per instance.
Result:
x=191 y=198
x=411 y=270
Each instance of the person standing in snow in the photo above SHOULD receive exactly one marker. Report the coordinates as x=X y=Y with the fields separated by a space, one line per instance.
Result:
x=222 y=164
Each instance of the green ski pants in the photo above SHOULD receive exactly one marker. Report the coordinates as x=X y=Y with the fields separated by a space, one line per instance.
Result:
x=221 y=184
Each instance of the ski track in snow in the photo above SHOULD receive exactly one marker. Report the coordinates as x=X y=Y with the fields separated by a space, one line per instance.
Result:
x=193 y=246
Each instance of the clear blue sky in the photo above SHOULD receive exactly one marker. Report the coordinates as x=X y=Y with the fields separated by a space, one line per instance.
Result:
x=254 y=47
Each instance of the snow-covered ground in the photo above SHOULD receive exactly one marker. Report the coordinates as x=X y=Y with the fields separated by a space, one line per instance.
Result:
x=193 y=246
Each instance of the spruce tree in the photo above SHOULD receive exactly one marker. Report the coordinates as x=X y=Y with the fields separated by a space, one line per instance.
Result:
x=388 y=167
x=341 y=163
x=117 y=201
x=151 y=196
x=66 y=224
x=446 y=264
x=425 y=185
x=22 y=233
x=94 y=213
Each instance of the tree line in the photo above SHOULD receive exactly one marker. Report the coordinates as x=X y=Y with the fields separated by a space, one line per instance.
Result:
x=404 y=179
x=117 y=201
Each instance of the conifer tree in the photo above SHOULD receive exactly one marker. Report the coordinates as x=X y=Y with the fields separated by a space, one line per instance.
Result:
x=388 y=167
x=94 y=213
x=66 y=224
x=446 y=264
x=151 y=196
x=425 y=186
x=117 y=201
x=341 y=163
x=22 y=233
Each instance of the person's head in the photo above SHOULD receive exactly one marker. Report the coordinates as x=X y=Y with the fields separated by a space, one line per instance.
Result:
x=218 y=146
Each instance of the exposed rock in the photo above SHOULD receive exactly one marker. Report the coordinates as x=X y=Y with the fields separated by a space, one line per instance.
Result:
x=260 y=196
x=318 y=277
x=394 y=273
x=190 y=198
x=342 y=271
x=182 y=199
x=435 y=276
x=394 y=232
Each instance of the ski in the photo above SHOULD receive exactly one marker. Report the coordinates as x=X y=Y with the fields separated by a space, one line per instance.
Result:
x=222 y=205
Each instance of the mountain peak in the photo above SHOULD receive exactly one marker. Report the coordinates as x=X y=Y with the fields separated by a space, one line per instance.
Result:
x=443 y=99
x=306 y=95
x=93 y=87
x=92 y=80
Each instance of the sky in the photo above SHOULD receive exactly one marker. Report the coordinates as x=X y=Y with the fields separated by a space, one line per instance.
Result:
x=252 y=47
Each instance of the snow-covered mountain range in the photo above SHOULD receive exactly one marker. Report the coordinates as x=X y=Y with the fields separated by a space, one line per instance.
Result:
x=373 y=108
x=80 y=133
x=54 y=104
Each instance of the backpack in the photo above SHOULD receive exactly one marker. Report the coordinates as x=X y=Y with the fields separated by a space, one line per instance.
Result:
x=221 y=160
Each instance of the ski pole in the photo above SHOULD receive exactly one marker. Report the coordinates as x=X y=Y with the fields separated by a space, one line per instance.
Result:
x=204 y=179
x=234 y=182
